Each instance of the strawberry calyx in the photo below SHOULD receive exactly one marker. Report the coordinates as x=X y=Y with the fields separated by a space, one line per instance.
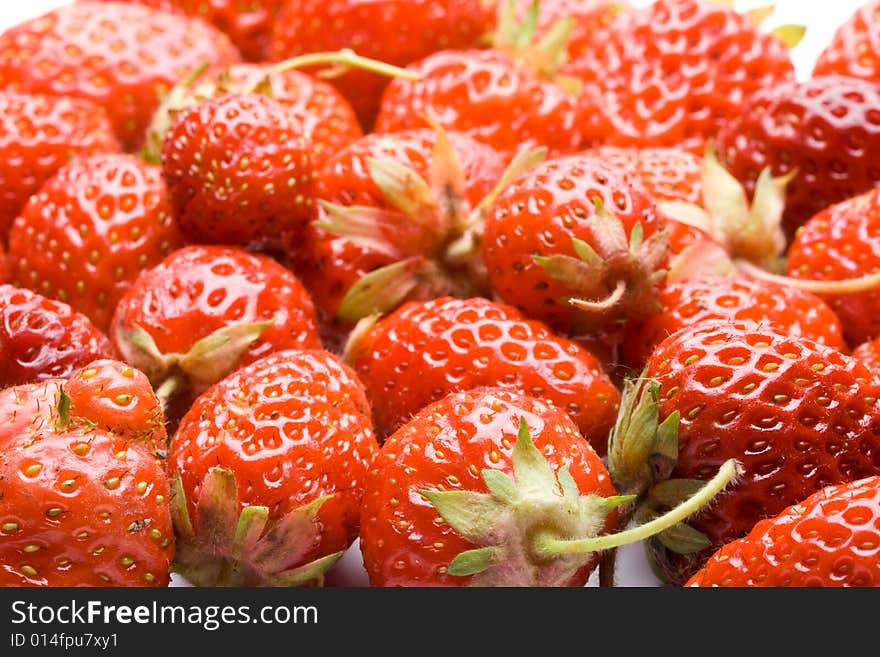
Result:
x=223 y=544
x=616 y=276
x=536 y=528
x=431 y=231
x=207 y=361
x=854 y=285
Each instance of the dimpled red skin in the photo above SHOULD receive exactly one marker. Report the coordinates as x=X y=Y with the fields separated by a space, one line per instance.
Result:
x=672 y=73
x=329 y=264
x=198 y=290
x=325 y=116
x=425 y=350
x=811 y=420
x=868 y=353
x=394 y=31
x=829 y=539
x=42 y=338
x=699 y=298
x=89 y=232
x=538 y=214
x=306 y=433
x=38 y=135
x=854 y=49
x=488 y=96
x=454 y=439
x=826 y=128
x=239 y=171
x=108 y=533
x=122 y=56
x=841 y=242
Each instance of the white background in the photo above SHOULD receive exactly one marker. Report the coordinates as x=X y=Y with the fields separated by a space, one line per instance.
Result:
x=821 y=17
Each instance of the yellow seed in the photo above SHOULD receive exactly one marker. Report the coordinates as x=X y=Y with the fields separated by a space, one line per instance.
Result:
x=68 y=484
x=112 y=482
x=155 y=533
x=149 y=577
x=10 y=526
x=31 y=548
x=98 y=550
x=54 y=512
x=29 y=570
x=122 y=400
x=160 y=499
x=141 y=487
x=80 y=449
x=771 y=367
x=88 y=374
x=125 y=562
x=33 y=470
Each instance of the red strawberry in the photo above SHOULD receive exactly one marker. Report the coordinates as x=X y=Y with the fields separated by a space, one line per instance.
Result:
x=418 y=194
x=83 y=508
x=488 y=95
x=694 y=299
x=239 y=171
x=854 y=49
x=843 y=242
x=868 y=354
x=325 y=117
x=462 y=496
x=393 y=31
x=206 y=310
x=823 y=131
x=797 y=415
x=90 y=230
x=38 y=135
x=829 y=539
x=269 y=467
x=41 y=338
x=672 y=73
x=123 y=57
x=576 y=242
x=424 y=350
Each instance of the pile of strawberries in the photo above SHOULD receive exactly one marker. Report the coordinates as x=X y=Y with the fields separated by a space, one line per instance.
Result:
x=494 y=287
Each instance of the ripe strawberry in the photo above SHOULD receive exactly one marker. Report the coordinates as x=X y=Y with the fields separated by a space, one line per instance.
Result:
x=41 y=338
x=105 y=393
x=576 y=243
x=829 y=539
x=122 y=56
x=419 y=193
x=247 y=24
x=38 y=135
x=424 y=350
x=868 y=354
x=434 y=515
x=853 y=50
x=488 y=95
x=692 y=300
x=269 y=467
x=672 y=73
x=394 y=31
x=90 y=230
x=206 y=310
x=821 y=130
x=326 y=118
x=239 y=171
x=445 y=447
x=797 y=415
x=838 y=243
x=83 y=508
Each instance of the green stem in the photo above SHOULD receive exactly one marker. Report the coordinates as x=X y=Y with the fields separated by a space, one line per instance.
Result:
x=548 y=546
x=168 y=388
x=847 y=286
x=345 y=58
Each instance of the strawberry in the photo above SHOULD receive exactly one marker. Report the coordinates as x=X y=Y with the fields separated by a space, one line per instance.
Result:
x=868 y=354
x=489 y=487
x=39 y=134
x=831 y=538
x=269 y=467
x=853 y=50
x=326 y=118
x=204 y=311
x=42 y=338
x=394 y=31
x=408 y=202
x=672 y=73
x=576 y=243
x=842 y=242
x=90 y=230
x=488 y=95
x=821 y=131
x=795 y=414
x=84 y=495
x=123 y=57
x=239 y=171
x=247 y=24
x=692 y=300
x=424 y=350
